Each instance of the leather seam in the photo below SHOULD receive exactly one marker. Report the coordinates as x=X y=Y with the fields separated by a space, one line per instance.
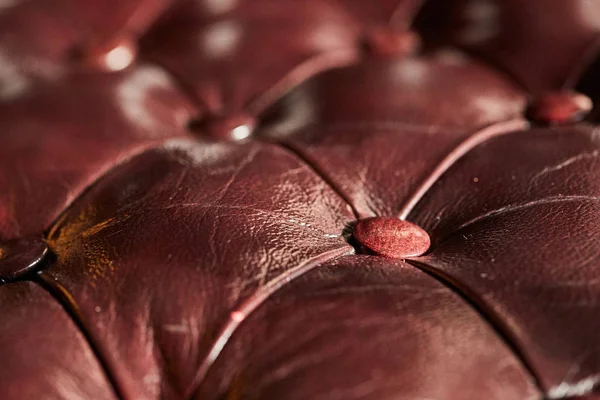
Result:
x=63 y=297
x=478 y=306
x=317 y=171
x=101 y=174
x=583 y=64
x=179 y=84
x=311 y=67
x=517 y=207
x=241 y=313
x=496 y=68
x=463 y=148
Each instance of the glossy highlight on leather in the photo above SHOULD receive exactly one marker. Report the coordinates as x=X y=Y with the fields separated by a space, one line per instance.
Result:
x=299 y=199
x=20 y=256
x=560 y=108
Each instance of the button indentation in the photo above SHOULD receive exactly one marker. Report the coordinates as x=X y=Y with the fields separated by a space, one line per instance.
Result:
x=386 y=42
x=391 y=237
x=560 y=108
x=20 y=256
x=227 y=127
x=115 y=55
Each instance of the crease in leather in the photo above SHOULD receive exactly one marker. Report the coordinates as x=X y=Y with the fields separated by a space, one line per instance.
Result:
x=322 y=175
x=583 y=388
x=306 y=70
x=101 y=174
x=476 y=304
x=582 y=66
x=588 y=81
x=395 y=16
x=179 y=84
x=497 y=68
x=67 y=302
x=57 y=291
x=63 y=296
x=516 y=207
x=463 y=148
x=573 y=77
x=167 y=8
x=77 y=25
x=241 y=312
x=478 y=137
x=70 y=306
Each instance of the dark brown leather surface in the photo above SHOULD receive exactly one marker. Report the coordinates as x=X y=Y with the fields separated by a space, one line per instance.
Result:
x=196 y=169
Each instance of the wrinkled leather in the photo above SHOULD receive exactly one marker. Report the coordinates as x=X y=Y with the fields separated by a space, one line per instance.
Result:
x=513 y=197
x=215 y=193
x=374 y=304
x=184 y=265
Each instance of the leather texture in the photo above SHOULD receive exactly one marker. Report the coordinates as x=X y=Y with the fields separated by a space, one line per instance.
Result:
x=180 y=181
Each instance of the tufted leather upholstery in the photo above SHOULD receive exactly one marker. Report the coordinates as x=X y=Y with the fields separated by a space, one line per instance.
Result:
x=180 y=181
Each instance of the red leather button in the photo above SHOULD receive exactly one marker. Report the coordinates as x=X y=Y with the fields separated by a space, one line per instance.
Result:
x=391 y=237
x=113 y=56
x=228 y=127
x=560 y=107
x=386 y=42
x=19 y=256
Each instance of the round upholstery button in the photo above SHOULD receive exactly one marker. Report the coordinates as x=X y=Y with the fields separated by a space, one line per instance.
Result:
x=229 y=127
x=115 y=55
x=391 y=237
x=386 y=42
x=560 y=108
x=20 y=256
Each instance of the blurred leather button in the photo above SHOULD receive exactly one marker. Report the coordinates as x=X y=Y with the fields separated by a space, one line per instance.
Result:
x=386 y=42
x=391 y=237
x=20 y=256
x=228 y=127
x=560 y=108
x=115 y=55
